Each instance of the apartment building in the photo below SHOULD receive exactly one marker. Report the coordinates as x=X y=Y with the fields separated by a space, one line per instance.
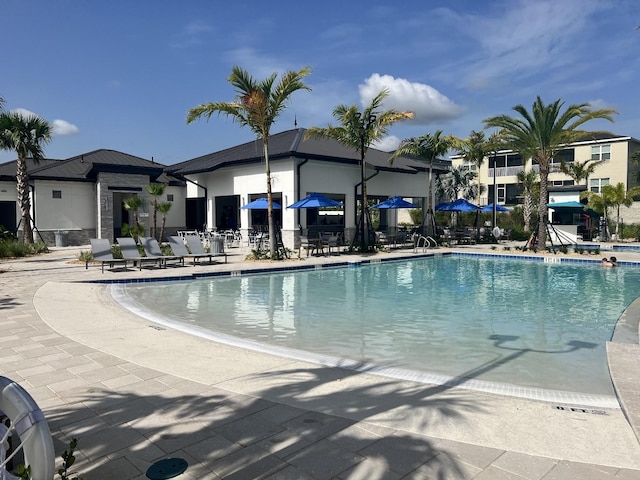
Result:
x=611 y=153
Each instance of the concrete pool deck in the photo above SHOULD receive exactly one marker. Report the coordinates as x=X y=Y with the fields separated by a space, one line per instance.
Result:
x=134 y=393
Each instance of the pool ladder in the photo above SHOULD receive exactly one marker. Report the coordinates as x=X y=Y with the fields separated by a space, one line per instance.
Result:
x=424 y=242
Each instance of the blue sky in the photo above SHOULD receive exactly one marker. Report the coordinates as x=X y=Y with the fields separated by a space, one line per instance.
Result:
x=122 y=74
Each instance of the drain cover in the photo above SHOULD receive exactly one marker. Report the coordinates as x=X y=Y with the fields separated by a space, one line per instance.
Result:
x=167 y=468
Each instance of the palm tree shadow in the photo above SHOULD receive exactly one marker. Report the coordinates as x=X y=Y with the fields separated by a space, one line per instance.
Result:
x=8 y=302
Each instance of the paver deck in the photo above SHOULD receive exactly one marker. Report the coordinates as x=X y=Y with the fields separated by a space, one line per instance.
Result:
x=133 y=393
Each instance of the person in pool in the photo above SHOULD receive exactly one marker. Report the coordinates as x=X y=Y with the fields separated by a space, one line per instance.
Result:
x=609 y=262
x=613 y=261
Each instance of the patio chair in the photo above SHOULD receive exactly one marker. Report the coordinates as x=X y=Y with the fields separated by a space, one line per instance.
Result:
x=195 y=246
x=179 y=248
x=334 y=242
x=129 y=249
x=101 y=250
x=152 y=249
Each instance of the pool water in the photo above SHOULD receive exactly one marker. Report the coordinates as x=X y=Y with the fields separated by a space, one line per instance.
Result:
x=515 y=322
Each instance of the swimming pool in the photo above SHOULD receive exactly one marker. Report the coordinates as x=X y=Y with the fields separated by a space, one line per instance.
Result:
x=515 y=322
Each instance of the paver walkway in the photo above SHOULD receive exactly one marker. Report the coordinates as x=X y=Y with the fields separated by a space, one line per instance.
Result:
x=242 y=415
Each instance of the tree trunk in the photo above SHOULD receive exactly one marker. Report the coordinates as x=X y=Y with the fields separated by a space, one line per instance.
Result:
x=542 y=207
x=24 y=200
x=272 y=230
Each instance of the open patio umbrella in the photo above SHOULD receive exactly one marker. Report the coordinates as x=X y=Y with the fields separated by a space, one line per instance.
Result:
x=395 y=202
x=260 y=204
x=460 y=205
x=499 y=208
x=315 y=200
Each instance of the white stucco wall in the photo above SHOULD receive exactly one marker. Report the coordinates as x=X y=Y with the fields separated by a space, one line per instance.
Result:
x=76 y=210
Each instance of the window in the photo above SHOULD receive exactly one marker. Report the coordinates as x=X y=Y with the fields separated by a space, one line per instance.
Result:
x=600 y=152
x=562 y=183
x=596 y=184
x=564 y=156
x=514 y=160
x=169 y=197
x=57 y=193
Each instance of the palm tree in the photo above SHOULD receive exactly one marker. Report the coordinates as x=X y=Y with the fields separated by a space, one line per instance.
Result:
x=257 y=105
x=528 y=182
x=134 y=204
x=474 y=150
x=26 y=135
x=427 y=147
x=156 y=190
x=539 y=135
x=359 y=130
x=579 y=170
x=163 y=208
x=457 y=182
x=612 y=196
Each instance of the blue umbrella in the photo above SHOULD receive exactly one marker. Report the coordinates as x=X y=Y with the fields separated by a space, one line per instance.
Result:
x=260 y=204
x=499 y=208
x=395 y=202
x=315 y=200
x=460 y=205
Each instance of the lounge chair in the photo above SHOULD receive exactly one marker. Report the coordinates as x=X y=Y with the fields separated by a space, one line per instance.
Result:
x=129 y=249
x=179 y=248
x=101 y=250
x=152 y=249
x=195 y=247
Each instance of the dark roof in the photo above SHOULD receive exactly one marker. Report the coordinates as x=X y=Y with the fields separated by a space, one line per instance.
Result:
x=292 y=143
x=85 y=167
x=8 y=169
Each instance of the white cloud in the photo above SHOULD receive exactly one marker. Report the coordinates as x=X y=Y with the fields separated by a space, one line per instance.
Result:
x=62 y=127
x=58 y=127
x=387 y=144
x=24 y=112
x=191 y=34
x=428 y=104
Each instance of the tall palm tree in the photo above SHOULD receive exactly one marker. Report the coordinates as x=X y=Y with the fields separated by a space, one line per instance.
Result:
x=257 y=105
x=539 y=135
x=359 y=130
x=579 y=171
x=156 y=190
x=474 y=150
x=427 y=147
x=26 y=135
x=528 y=181
x=163 y=208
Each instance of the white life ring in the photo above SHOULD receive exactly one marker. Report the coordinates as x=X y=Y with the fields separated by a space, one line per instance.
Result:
x=28 y=422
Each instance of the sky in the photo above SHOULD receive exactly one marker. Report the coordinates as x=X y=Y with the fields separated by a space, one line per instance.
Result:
x=122 y=74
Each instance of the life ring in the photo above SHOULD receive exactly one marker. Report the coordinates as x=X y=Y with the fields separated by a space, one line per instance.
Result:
x=28 y=422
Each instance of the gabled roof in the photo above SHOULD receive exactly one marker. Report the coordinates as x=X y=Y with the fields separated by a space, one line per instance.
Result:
x=86 y=167
x=292 y=143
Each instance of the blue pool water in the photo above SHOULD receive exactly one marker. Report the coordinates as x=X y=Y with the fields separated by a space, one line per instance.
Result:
x=515 y=322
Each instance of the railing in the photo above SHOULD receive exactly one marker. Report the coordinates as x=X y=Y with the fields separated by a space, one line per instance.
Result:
x=514 y=171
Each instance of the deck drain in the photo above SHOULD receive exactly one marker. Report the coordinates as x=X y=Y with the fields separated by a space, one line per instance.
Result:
x=580 y=410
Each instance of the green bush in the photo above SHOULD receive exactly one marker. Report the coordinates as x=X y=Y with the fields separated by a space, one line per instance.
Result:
x=15 y=248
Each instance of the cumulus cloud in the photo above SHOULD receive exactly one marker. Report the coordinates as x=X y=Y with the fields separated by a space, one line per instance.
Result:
x=387 y=144
x=58 y=127
x=428 y=104
x=62 y=127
